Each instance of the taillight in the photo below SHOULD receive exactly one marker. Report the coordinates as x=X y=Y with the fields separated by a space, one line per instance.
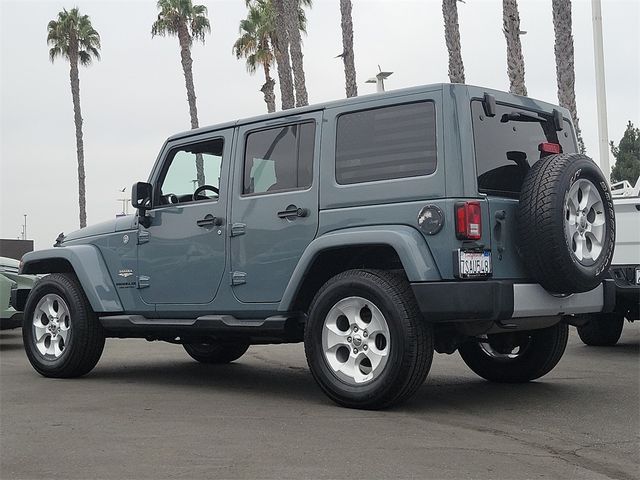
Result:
x=550 y=148
x=468 y=220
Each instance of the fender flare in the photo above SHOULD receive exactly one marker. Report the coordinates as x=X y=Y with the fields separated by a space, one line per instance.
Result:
x=88 y=265
x=409 y=244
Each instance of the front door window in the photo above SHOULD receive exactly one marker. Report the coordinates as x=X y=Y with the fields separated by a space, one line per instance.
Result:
x=193 y=169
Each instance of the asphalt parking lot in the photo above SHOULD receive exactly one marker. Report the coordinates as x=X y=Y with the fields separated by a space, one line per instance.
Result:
x=149 y=411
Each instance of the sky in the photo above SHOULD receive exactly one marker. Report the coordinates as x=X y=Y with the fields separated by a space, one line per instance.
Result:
x=135 y=96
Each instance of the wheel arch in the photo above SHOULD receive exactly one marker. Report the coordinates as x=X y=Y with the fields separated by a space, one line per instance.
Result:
x=86 y=262
x=388 y=247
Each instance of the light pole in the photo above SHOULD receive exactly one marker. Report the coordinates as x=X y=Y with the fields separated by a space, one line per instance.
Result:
x=601 y=94
x=24 y=227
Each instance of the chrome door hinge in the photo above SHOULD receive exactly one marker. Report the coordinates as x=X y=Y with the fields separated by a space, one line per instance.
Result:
x=143 y=281
x=143 y=236
x=238 y=278
x=238 y=229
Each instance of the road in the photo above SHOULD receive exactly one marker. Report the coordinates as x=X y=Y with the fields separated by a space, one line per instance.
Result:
x=149 y=411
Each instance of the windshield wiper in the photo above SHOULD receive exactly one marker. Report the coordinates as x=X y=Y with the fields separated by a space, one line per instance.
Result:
x=522 y=117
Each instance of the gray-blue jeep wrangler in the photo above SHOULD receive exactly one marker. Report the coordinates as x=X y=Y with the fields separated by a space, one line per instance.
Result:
x=375 y=229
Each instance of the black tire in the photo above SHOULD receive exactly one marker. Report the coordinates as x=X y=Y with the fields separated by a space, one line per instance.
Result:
x=602 y=330
x=541 y=352
x=86 y=338
x=216 y=352
x=410 y=348
x=545 y=248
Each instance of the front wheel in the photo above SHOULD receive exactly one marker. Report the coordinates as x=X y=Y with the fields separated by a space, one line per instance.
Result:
x=216 y=352
x=516 y=357
x=61 y=334
x=366 y=342
x=602 y=330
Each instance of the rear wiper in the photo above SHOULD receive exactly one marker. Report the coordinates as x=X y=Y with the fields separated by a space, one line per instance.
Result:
x=522 y=117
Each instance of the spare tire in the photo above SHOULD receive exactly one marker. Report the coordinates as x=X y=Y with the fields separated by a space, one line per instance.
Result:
x=566 y=223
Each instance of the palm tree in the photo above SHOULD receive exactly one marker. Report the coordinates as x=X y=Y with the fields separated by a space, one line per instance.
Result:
x=188 y=22
x=295 y=47
x=283 y=62
x=452 y=39
x=515 y=60
x=71 y=36
x=347 y=48
x=255 y=44
x=565 y=71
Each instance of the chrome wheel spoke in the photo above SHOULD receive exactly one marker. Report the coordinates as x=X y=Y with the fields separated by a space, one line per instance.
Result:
x=43 y=343
x=334 y=336
x=579 y=246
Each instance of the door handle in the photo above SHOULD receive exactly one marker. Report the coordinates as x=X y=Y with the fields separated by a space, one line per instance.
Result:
x=209 y=220
x=293 y=212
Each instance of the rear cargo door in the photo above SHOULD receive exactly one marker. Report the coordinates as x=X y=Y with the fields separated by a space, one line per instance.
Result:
x=506 y=146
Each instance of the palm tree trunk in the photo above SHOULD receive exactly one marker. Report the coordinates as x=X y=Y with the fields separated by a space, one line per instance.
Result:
x=295 y=46
x=515 y=60
x=452 y=39
x=281 y=49
x=565 y=70
x=77 y=116
x=267 y=89
x=187 y=63
x=346 y=23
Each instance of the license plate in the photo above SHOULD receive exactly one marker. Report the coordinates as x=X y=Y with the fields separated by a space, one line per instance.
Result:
x=474 y=264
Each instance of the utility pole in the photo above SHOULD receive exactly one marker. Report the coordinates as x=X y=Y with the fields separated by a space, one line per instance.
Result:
x=601 y=94
x=24 y=228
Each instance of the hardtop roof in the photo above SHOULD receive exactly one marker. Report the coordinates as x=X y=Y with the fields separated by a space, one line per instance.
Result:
x=472 y=91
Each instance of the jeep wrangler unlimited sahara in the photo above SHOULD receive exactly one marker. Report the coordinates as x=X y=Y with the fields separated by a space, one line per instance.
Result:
x=375 y=229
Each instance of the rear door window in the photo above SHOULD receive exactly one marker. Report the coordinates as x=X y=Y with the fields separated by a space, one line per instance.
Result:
x=385 y=143
x=508 y=144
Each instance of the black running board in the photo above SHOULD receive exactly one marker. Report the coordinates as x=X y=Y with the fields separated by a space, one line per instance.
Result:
x=279 y=327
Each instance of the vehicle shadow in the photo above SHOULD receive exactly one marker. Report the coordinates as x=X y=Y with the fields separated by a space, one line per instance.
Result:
x=10 y=339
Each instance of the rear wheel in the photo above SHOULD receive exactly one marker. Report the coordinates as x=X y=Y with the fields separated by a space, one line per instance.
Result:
x=516 y=357
x=602 y=330
x=366 y=343
x=62 y=335
x=216 y=352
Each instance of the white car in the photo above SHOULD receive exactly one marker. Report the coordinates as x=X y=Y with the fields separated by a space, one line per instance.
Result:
x=604 y=329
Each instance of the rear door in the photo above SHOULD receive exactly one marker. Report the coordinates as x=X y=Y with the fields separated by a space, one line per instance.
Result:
x=274 y=213
x=506 y=146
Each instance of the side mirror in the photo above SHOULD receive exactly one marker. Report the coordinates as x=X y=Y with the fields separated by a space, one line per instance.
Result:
x=142 y=199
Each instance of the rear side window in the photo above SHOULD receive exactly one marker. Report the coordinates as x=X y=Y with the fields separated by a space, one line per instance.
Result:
x=508 y=144
x=279 y=159
x=385 y=143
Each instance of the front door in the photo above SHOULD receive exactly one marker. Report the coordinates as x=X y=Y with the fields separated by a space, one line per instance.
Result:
x=181 y=254
x=275 y=205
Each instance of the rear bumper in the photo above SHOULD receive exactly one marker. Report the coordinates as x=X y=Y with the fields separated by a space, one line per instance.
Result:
x=502 y=300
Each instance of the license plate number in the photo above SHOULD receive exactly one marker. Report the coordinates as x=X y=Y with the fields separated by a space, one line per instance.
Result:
x=474 y=264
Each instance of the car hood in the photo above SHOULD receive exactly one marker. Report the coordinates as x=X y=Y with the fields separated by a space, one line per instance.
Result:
x=126 y=222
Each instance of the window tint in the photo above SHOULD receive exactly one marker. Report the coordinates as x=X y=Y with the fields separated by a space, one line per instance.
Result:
x=508 y=144
x=386 y=143
x=279 y=159
x=182 y=176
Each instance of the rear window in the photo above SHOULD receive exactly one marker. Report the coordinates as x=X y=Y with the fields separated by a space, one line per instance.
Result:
x=385 y=143
x=507 y=145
